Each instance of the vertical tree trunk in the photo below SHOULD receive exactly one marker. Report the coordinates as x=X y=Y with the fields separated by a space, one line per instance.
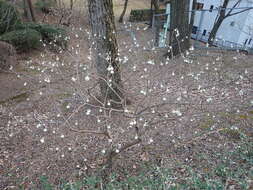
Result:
x=154 y=10
x=106 y=50
x=28 y=10
x=192 y=15
x=71 y=4
x=123 y=12
x=156 y=5
x=217 y=24
x=214 y=30
x=31 y=10
x=179 y=27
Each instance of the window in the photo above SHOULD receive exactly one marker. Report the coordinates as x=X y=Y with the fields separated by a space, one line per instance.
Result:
x=204 y=32
x=199 y=6
x=211 y=8
x=194 y=29
x=249 y=41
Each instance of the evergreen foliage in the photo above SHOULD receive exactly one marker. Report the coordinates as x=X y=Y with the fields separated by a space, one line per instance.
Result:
x=49 y=33
x=23 y=40
x=44 y=6
x=9 y=17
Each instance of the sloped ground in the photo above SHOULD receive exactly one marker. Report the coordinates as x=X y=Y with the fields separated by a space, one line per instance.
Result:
x=118 y=6
x=185 y=109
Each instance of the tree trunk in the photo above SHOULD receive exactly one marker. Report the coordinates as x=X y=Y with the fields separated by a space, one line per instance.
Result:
x=156 y=5
x=214 y=30
x=154 y=10
x=106 y=50
x=179 y=27
x=71 y=4
x=217 y=24
x=192 y=15
x=223 y=14
x=123 y=12
x=31 y=10
x=28 y=10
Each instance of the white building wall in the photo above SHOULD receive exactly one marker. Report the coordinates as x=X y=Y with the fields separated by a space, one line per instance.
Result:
x=233 y=29
x=246 y=36
x=204 y=20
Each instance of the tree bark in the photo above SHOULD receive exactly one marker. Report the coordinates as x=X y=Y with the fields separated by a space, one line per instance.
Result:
x=214 y=30
x=154 y=10
x=28 y=10
x=217 y=24
x=123 y=12
x=71 y=4
x=156 y=5
x=179 y=27
x=106 y=49
x=194 y=2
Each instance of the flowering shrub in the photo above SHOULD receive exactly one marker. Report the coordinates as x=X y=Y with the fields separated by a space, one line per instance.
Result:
x=179 y=112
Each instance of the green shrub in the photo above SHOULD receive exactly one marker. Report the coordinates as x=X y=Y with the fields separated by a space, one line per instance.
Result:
x=49 y=33
x=9 y=17
x=54 y=35
x=23 y=40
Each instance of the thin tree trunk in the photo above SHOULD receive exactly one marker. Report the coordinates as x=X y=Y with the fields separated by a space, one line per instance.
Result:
x=214 y=30
x=71 y=4
x=192 y=15
x=28 y=10
x=154 y=10
x=123 y=12
x=157 y=21
x=179 y=27
x=106 y=50
x=217 y=24
x=31 y=10
x=156 y=5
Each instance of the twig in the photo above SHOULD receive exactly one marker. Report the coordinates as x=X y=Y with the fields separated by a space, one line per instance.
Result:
x=92 y=132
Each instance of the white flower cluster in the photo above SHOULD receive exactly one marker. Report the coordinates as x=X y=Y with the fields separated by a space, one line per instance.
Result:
x=110 y=69
x=177 y=112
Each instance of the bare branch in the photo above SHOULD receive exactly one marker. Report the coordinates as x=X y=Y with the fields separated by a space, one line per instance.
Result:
x=92 y=132
x=229 y=12
x=239 y=12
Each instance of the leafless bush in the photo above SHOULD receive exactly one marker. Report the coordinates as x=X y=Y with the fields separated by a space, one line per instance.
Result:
x=172 y=103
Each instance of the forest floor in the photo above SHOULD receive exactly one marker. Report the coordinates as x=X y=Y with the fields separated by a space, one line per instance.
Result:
x=190 y=109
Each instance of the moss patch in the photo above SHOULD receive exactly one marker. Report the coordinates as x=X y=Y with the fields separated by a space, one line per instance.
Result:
x=234 y=134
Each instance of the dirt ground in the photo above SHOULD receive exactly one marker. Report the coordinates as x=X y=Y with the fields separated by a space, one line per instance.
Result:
x=118 y=5
x=48 y=121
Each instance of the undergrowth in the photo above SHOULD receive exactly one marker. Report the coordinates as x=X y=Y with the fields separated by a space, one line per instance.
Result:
x=233 y=170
